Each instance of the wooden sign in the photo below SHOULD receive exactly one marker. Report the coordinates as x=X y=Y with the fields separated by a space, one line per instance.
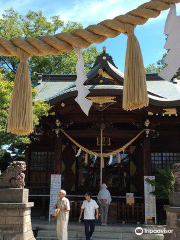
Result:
x=54 y=192
x=149 y=200
x=130 y=198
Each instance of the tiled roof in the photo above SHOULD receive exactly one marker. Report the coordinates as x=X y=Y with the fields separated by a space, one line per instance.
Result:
x=52 y=86
x=166 y=91
x=50 y=89
x=47 y=90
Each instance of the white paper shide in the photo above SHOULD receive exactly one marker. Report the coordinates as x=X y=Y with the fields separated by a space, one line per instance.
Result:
x=172 y=59
x=81 y=99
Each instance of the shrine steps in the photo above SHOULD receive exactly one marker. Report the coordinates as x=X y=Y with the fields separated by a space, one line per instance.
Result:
x=110 y=232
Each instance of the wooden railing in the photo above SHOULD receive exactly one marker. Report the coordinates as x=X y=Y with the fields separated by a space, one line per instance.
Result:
x=130 y=213
x=75 y=207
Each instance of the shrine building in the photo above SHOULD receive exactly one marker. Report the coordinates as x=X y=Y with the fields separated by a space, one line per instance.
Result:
x=52 y=152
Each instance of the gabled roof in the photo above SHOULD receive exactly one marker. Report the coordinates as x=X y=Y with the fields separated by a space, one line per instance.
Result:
x=105 y=78
x=104 y=69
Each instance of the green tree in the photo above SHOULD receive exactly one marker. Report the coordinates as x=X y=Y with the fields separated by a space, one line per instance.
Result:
x=5 y=159
x=33 y=24
x=156 y=67
x=40 y=109
x=163 y=183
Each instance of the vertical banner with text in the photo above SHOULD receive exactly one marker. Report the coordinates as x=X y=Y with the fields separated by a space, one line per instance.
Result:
x=54 y=192
x=149 y=200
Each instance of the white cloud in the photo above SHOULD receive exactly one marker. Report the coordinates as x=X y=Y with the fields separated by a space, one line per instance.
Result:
x=17 y=5
x=93 y=11
x=84 y=11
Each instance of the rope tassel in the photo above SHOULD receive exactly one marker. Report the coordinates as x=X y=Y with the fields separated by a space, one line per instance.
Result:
x=135 y=89
x=20 y=116
x=86 y=159
x=118 y=158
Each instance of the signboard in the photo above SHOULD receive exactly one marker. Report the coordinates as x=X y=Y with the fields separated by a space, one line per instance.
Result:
x=54 y=192
x=130 y=198
x=149 y=200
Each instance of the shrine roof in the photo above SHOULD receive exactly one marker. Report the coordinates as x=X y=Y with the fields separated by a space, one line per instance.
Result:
x=106 y=78
x=49 y=89
x=161 y=94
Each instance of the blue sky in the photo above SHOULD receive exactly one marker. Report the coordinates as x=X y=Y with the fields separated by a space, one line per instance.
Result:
x=87 y=12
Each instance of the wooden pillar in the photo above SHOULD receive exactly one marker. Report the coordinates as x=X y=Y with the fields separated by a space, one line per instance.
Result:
x=146 y=156
x=119 y=175
x=58 y=155
x=104 y=176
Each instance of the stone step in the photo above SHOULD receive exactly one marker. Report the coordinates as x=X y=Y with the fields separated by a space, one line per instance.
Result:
x=47 y=238
x=155 y=237
x=79 y=235
x=47 y=231
x=80 y=227
x=139 y=238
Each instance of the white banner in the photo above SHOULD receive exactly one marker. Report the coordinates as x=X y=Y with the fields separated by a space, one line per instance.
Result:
x=54 y=192
x=149 y=199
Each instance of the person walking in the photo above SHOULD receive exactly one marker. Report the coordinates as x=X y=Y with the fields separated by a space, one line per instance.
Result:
x=62 y=211
x=104 y=199
x=90 y=209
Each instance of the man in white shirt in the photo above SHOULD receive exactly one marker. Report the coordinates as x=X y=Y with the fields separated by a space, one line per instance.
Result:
x=62 y=211
x=90 y=209
x=104 y=199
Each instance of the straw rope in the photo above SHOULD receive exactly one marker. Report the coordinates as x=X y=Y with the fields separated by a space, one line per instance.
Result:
x=122 y=149
x=82 y=38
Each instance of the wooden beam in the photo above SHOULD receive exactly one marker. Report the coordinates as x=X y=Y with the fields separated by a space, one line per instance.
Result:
x=146 y=156
x=107 y=118
x=93 y=133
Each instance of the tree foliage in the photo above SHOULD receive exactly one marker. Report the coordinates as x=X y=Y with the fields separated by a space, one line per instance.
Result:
x=156 y=67
x=163 y=183
x=40 y=109
x=33 y=24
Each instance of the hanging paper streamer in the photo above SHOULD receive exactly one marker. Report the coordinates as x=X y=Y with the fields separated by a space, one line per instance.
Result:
x=95 y=157
x=110 y=160
x=79 y=152
x=119 y=158
x=81 y=99
x=172 y=59
x=86 y=159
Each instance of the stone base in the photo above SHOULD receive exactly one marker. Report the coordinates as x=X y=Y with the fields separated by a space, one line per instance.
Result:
x=172 y=222
x=174 y=199
x=15 y=218
x=14 y=195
